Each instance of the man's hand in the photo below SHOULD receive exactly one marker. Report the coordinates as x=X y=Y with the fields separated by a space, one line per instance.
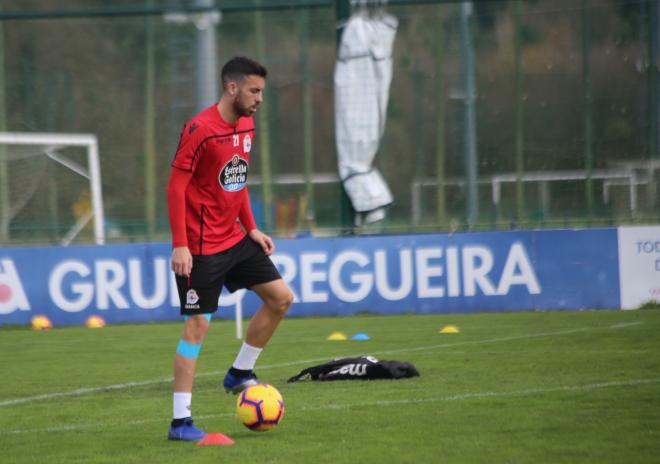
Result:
x=263 y=240
x=182 y=261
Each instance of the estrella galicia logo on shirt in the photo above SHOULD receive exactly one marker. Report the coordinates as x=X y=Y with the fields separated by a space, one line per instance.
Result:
x=233 y=175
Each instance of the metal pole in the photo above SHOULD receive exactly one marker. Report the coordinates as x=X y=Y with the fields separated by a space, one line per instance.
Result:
x=150 y=129
x=440 y=120
x=264 y=130
x=4 y=172
x=520 y=113
x=53 y=84
x=227 y=6
x=347 y=214
x=649 y=31
x=417 y=131
x=206 y=57
x=587 y=100
x=308 y=135
x=654 y=79
x=97 y=195
x=470 y=129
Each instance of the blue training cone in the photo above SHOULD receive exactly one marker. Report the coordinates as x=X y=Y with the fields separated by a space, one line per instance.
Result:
x=360 y=336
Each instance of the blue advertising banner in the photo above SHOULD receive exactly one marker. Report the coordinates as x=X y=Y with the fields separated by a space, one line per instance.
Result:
x=434 y=273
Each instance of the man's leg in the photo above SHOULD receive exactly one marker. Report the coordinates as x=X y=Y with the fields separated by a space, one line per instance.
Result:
x=277 y=298
x=194 y=330
x=185 y=361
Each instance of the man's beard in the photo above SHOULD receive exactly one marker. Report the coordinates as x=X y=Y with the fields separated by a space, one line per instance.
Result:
x=240 y=109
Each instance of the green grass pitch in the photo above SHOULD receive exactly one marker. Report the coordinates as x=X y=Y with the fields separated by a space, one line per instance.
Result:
x=533 y=387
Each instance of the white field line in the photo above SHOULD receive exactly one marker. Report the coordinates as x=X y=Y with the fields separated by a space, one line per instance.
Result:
x=460 y=397
x=122 y=386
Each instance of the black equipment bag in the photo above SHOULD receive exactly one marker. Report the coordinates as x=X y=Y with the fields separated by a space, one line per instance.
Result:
x=361 y=368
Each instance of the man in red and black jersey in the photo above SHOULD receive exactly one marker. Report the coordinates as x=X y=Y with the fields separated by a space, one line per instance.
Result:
x=214 y=237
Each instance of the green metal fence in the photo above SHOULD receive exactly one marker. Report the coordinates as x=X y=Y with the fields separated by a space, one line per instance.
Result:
x=566 y=112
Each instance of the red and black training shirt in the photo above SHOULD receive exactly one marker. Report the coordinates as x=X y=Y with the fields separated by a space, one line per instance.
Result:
x=207 y=191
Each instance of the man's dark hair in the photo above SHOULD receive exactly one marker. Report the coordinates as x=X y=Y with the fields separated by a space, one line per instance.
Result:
x=239 y=67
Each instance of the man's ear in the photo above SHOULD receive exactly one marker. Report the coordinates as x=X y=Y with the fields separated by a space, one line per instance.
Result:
x=232 y=88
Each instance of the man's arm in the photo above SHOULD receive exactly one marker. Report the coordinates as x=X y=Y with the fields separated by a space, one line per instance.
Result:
x=247 y=219
x=176 y=205
x=245 y=213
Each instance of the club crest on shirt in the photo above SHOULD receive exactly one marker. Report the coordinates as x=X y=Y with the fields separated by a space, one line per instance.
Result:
x=247 y=143
x=233 y=176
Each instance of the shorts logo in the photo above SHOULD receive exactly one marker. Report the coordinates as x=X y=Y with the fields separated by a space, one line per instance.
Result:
x=233 y=175
x=191 y=299
x=247 y=144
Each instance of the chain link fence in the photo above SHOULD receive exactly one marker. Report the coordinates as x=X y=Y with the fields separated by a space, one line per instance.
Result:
x=566 y=113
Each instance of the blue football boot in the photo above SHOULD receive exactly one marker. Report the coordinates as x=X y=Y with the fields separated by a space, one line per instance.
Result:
x=187 y=431
x=236 y=384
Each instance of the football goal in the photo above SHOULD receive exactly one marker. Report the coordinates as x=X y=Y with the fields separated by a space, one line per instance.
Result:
x=50 y=187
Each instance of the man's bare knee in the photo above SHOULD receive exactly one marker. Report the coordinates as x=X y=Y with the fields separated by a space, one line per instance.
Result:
x=195 y=329
x=280 y=304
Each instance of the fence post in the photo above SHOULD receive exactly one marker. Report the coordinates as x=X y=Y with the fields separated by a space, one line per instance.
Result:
x=470 y=126
x=586 y=99
x=342 y=13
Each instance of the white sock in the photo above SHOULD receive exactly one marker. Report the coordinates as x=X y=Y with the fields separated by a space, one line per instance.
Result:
x=247 y=357
x=181 y=402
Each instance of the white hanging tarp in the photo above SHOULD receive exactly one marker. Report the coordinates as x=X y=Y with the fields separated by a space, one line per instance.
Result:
x=363 y=74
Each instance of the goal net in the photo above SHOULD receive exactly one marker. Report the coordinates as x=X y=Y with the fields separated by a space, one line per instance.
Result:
x=50 y=188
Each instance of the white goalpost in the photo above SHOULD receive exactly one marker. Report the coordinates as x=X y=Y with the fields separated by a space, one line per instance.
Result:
x=17 y=146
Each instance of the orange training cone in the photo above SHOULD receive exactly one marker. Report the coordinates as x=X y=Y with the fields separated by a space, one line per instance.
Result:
x=95 y=322
x=41 y=323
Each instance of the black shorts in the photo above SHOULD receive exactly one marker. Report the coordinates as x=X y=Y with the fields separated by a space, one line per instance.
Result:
x=241 y=266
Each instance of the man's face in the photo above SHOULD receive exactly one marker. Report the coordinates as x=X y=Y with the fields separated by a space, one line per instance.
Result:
x=249 y=94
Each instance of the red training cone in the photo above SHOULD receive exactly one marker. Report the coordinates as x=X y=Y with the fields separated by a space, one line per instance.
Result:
x=215 y=439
